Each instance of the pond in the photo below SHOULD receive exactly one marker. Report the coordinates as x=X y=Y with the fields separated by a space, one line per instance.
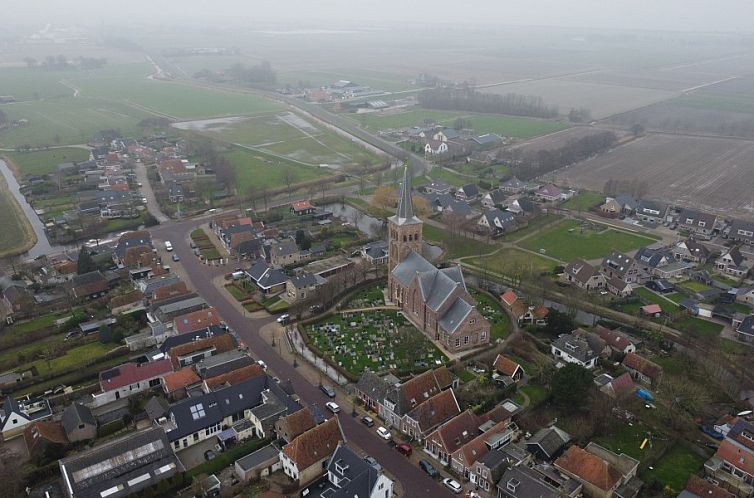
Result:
x=369 y=225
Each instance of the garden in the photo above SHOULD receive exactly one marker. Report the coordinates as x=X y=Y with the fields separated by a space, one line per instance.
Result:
x=207 y=249
x=367 y=298
x=379 y=341
x=500 y=324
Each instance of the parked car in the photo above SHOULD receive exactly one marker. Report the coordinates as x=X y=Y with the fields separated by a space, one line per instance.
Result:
x=209 y=455
x=327 y=390
x=373 y=463
x=283 y=318
x=711 y=432
x=452 y=485
x=333 y=407
x=383 y=433
x=428 y=468
x=168 y=246
x=175 y=257
x=404 y=449
x=367 y=420
x=262 y=364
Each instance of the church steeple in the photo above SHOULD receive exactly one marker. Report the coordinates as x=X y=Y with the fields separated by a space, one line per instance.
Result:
x=404 y=229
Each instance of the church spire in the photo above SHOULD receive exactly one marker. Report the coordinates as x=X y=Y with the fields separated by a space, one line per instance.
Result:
x=405 y=214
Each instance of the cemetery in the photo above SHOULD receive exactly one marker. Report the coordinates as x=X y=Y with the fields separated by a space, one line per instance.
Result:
x=379 y=340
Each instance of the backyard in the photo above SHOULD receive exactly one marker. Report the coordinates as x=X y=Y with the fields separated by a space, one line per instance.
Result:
x=500 y=324
x=42 y=162
x=380 y=341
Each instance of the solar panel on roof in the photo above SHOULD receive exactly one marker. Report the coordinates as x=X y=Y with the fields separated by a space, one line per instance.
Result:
x=110 y=374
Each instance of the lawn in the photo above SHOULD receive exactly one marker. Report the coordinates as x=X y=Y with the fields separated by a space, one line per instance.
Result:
x=275 y=304
x=377 y=340
x=237 y=293
x=568 y=242
x=626 y=439
x=675 y=467
x=507 y=126
x=42 y=322
x=534 y=225
x=18 y=235
x=256 y=170
x=367 y=298
x=42 y=162
x=583 y=201
x=666 y=305
x=509 y=261
x=450 y=177
x=71 y=359
x=536 y=394
x=693 y=286
x=699 y=325
x=456 y=246
x=500 y=324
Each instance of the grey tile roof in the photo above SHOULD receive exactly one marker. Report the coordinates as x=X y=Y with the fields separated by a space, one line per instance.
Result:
x=523 y=482
x=222 y=363
x=177 y=340
x=405 y=213
x=575 y=346
x=181 y=305
x=455 y=315
x=259 y=457
x=513 y=183
x=497 y=196
x=355 y=476
x=652 y=257
x=373 y=386
x=627 y=201
x=550 y=440
x=471 y=190
x=304 y=280
x=619 y=263
x=499 y=219
x=412 y=264
x=76 y=414
x=283 y=248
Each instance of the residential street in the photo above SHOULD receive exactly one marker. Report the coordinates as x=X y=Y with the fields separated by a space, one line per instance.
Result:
x=414 y=482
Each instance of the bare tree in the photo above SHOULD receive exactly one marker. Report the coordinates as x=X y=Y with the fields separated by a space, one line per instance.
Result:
x=289 y=176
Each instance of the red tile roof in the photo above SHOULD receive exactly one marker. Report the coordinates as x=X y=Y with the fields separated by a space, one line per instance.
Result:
x=301 y=205
x=456 y=432
x=235 y=376
x=221 y=343
x=477 y=447
x=315 y=444
x=436 y=410
x=506 y=366
x=509 y=297
x=131 y=373
x=196 y=320
x=420 y=388
x=298 y=422
x=736 y=456
x=588 y=467
x=613 y=338
x=704 y=488
x=180 y=379
x=168 y=291
x=642 y=365
x=172 y=165
x=623 y=384
x=52 y=432
x=651 y=309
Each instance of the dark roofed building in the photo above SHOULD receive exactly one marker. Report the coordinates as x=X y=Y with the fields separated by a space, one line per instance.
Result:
x=89 y=285
x=547 y=443
x=78 y=422
x=121 y=467
x=349 y=476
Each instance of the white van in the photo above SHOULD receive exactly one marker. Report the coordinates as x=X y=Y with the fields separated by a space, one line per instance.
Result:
x=168 y=246
x=238 y=275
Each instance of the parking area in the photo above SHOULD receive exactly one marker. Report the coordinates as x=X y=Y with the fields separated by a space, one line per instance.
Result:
x=194 y=455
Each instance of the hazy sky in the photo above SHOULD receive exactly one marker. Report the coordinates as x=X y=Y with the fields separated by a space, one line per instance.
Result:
x=696 y=15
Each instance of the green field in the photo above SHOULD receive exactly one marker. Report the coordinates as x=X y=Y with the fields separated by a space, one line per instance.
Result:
x=507 y=126
x=42 y=162
x=457 y=246
x=716 y=102
x=566 y=242
x=451 y=178
x=534 y=225
x=583 y=201
x=259 y=170
x=507 y=261
x=378 y=80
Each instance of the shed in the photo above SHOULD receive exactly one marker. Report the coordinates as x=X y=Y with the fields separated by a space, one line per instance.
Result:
x=261 y=463
x=651 y=310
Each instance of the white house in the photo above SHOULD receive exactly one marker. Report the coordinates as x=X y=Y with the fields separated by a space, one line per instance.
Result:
x=435 y=147
x=571 y=348
x=15 y=415
x=349 y=476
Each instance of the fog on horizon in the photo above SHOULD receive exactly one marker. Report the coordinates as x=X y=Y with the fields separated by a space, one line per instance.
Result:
x=681 y=15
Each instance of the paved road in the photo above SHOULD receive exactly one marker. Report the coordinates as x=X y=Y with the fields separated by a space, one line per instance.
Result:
x=146 y=188
x=415 y=482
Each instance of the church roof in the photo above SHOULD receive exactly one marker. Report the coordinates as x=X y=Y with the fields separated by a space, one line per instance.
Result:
x=437 y=285
x=413 y=263
x=455 y=315
x=405 y=213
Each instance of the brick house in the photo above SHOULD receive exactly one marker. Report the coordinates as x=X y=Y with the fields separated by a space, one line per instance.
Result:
x=643 y=370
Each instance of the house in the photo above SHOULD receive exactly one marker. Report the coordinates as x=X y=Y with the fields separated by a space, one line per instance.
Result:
x=176 y=384
x=628 y=204
x=696 y=487
x=643 y=370
x=547 y=443
x=492 y=435
x=650 y=261
x=488 y=470
x=350 y=476
x=619 y=265
x=260 y=463
x=401 y=398
x=78 y=422
x=303 y=285
x=493 y=198
x=600 y=471
x=423 y=419
x=129 y=240
x=611 y=207
x=745 y=330
x=90 y=285
x=618 y=286
x=435 y=147
x=697 y=222
x=523 y=206
x=733 y=263
x=583 y=275
x=222 y=363
x=573 y=348
x=487 y=140
x=444 y=441
x=732 y=465
x=742 y=231
x=513 y=186
x=195 y=351
x=617 y=341
x=306 y=457
x=549 y=193
x=165 y=313
x=16 y=415
x=292 y=426
x=496 y=220
x=175 y=192
x=302 y=207
x=620 y=386
x=45 y=439
x=437 y=187
x=285 y=252
x=196 y=320
x=435 y=300
x=445 y=134
x=651 y=310
x=525 y=482
x=232 y=377
x=505 y=368
x=18 y=299
x=270 y=280
x=690 y=251
x=121 y=467
x=371 y=390
x=651 y=212
x=468 y=192
x=508 y=298
x=375 y=252
x=247 y=409
x=130 y=378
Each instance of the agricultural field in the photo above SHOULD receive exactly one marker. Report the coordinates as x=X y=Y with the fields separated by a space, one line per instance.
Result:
x=559 y=139
x=507 y=126
x=378 y=340
x=601 y=100
x=568 y=241
x=507 y=261
x=43 y=162
x=378 y=80
x=711 y=174
x=257 y=170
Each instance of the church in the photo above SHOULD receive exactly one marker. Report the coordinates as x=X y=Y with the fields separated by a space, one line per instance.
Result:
x=435 y=300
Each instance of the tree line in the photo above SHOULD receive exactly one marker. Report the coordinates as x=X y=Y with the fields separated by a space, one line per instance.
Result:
x=60 y=62
x=468 y=99
x=543 y=161
x=262 y=73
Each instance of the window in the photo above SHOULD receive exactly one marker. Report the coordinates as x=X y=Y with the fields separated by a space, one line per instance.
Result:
x=458 y=342
x=472 y=321
x=465 y=339
x=196 y=436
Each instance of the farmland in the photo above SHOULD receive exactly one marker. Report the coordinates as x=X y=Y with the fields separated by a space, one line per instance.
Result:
x=713 y=174
x=389 y=82
x=42 y=162
x=508 y=126
x=567 y=241
x=259 y=170
x=506 y=261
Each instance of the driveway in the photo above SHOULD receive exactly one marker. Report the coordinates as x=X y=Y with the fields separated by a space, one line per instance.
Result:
x=146 y=188
x=414 y=482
